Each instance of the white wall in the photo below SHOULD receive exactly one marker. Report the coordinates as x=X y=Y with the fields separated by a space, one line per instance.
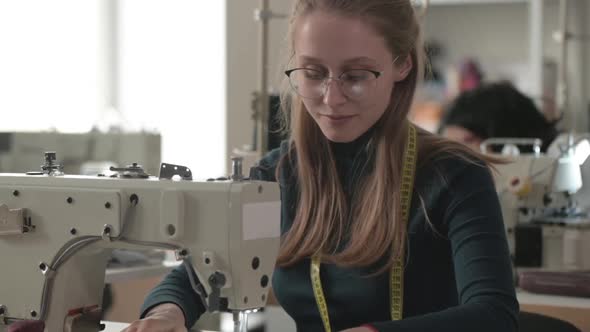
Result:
x=483 y=31
x=242 y=64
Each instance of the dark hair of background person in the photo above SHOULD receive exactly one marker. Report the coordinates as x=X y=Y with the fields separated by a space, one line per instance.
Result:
x=499 y=110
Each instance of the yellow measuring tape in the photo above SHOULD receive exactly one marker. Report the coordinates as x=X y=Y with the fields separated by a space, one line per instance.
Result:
x=396 y=284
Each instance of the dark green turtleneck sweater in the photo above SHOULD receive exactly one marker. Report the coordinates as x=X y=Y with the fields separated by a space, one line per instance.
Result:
x=457 y=275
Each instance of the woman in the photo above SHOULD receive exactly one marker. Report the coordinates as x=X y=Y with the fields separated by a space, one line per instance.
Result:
x=343 y=172
x=496 y=110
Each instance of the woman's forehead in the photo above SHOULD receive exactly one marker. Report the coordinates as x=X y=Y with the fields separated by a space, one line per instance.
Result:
x=325 y=37
x=361 y=59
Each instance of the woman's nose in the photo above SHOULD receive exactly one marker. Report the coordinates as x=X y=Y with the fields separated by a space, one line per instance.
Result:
x=333 y=93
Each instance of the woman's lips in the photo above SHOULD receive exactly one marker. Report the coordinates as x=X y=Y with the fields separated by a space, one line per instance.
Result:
x=338 y=119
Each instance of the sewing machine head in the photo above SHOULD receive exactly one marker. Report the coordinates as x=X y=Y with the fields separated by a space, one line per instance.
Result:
x=537 y=193
x=540 y=185
x=57 y=232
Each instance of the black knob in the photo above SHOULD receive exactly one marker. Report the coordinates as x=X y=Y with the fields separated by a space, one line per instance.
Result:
x=255 y=263
x=217 y=280
x=264 y=281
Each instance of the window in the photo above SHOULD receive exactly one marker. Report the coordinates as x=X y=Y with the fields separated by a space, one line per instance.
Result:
x=159 y=63
x=172 y=77
x=48 y=65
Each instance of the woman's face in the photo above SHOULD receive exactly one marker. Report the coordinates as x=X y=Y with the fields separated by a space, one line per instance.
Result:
x=360 y=70
x=462 y=135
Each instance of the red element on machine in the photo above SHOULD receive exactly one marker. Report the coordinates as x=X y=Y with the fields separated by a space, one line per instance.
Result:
x=27 y=326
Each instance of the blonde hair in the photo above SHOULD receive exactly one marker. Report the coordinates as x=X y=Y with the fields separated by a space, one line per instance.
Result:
x=320 y=224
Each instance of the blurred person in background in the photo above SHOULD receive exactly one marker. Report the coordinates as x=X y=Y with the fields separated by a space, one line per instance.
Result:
x=496 y=110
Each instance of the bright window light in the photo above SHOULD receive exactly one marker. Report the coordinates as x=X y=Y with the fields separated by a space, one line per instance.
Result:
x=48 y=65
x=172 y=78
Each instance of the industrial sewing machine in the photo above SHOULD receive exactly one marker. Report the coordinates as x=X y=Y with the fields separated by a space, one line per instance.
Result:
x=57 y=232
x=547 y=227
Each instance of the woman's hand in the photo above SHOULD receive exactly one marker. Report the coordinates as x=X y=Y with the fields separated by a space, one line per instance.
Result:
x=167 y=317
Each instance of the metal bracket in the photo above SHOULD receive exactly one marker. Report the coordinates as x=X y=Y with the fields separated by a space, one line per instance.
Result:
x=168 y=171
x=266 y=15
x=13 y=221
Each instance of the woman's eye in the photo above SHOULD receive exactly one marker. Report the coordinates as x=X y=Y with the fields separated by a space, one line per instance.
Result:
x=313 y=74
x=356 y=75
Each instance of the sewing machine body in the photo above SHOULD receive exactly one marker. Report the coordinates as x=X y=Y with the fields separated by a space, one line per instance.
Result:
x=227 y=230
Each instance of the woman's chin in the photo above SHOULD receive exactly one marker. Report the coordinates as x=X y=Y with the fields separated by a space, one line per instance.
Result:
x=340 y=137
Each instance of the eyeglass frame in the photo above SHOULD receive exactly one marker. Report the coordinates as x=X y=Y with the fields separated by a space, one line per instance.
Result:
x=338 y=78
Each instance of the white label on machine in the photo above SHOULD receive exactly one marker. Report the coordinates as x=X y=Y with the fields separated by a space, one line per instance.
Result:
x=261 y=220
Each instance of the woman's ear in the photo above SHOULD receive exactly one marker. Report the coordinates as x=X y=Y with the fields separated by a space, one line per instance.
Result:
x=403 y=68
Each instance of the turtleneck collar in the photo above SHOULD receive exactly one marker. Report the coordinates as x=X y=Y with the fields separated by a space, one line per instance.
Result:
x=352 y=149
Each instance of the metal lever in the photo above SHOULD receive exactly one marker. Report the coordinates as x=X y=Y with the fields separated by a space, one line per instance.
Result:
x=131 y=171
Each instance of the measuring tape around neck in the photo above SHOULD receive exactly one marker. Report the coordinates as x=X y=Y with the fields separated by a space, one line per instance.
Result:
x=396 y=281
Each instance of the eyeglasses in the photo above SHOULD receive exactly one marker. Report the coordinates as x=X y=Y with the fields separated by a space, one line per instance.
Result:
x=313 y=84
x=355 y=84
